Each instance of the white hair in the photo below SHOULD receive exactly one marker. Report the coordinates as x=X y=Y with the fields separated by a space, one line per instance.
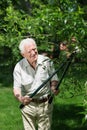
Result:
x=24 y=42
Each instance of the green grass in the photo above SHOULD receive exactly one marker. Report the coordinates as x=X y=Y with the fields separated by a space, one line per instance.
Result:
x=65 y=115
x=10 y=116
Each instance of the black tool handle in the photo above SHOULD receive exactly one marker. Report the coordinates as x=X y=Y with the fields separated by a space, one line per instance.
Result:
x=64 y=72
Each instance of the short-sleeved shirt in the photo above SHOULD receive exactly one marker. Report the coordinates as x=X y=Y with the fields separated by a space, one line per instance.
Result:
x=29 y=79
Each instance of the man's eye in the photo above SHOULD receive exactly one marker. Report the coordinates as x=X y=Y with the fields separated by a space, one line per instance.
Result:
x=34 y=49
x=29 y=51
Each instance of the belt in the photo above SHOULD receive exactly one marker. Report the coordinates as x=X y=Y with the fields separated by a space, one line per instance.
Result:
x=42 y=100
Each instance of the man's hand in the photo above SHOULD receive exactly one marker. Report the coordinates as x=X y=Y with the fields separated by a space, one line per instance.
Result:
x=26 y=100
x=56 y=92
x=53 y=87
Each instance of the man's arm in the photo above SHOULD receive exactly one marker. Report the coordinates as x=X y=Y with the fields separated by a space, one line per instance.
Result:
x=23 y=99
x=17 y=94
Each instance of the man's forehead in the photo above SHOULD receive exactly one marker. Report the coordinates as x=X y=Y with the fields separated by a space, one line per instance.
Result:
x=31 y=45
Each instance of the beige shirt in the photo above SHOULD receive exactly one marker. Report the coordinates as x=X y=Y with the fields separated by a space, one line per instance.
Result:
x=28 y=79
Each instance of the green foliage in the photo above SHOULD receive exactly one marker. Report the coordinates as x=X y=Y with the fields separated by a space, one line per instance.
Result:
x=48 y=22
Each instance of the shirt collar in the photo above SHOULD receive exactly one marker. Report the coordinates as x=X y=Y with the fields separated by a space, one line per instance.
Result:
x=26 y=62
x=40 y=60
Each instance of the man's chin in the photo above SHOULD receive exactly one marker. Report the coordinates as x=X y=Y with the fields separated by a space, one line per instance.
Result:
x=34 y=59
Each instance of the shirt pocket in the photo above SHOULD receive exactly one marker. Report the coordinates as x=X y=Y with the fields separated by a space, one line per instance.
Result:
x=43 y=75
x=27 y=81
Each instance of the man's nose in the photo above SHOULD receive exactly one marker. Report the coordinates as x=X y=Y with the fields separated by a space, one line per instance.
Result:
x=33 y=51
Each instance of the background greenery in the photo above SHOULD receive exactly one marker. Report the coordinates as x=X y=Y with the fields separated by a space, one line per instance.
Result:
x=49 y=22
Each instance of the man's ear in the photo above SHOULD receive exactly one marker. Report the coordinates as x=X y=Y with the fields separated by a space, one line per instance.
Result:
x=22 y=54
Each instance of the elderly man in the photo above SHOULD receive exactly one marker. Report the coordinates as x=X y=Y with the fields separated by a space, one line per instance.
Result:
x=29 y=73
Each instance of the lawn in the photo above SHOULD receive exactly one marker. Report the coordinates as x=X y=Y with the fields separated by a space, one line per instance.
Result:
x=10 y=117
x=65 y=115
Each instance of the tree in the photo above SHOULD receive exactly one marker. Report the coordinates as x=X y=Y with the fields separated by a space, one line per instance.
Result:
x=48 y=22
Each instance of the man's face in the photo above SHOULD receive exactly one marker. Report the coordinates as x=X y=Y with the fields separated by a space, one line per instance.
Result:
x=31 y=53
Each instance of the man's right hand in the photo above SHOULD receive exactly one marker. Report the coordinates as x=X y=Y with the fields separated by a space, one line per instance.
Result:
x=26 y=100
